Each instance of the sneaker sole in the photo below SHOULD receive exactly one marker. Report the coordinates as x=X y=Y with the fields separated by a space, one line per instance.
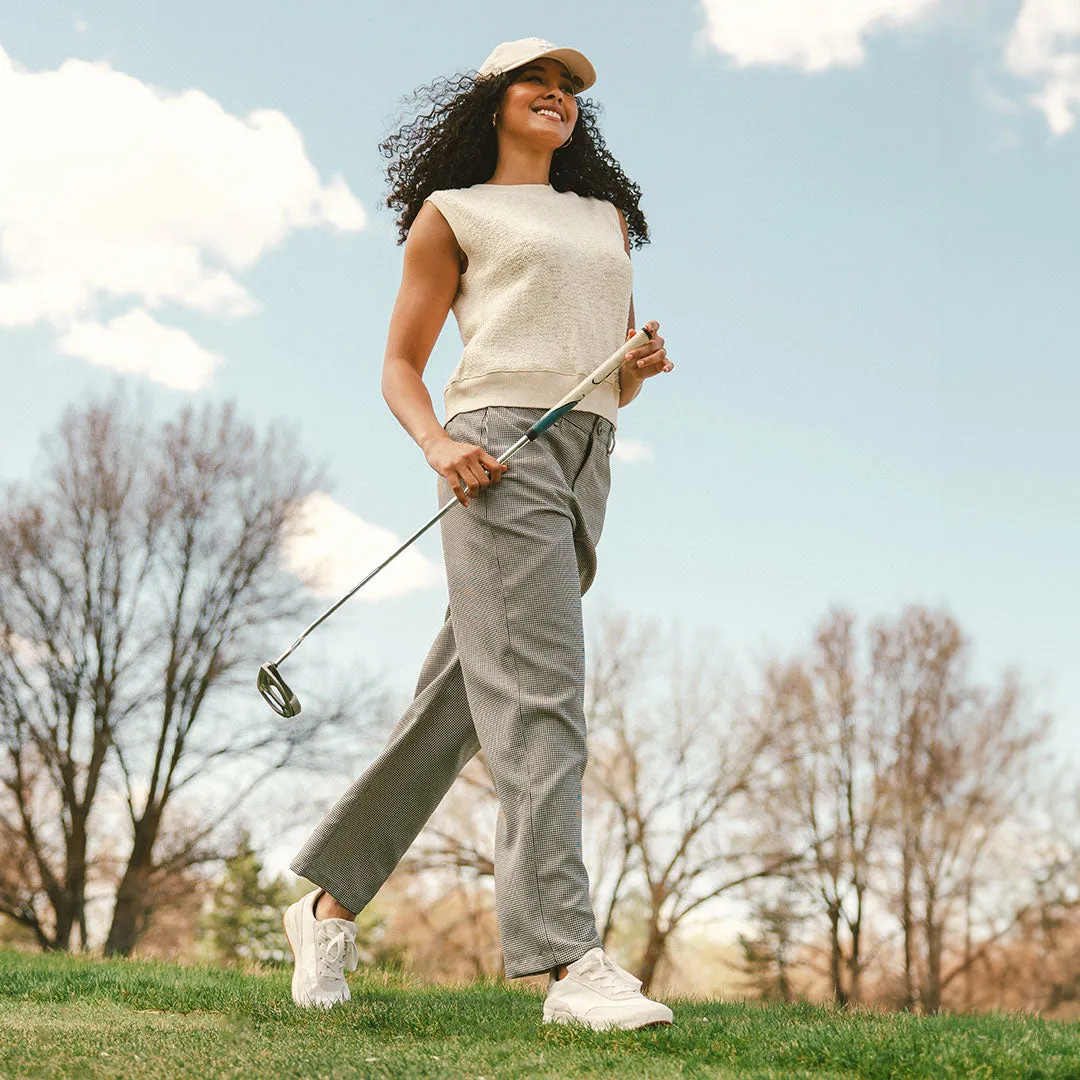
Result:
x=561 y=1016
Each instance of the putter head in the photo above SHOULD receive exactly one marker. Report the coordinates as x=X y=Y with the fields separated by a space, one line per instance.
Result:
x=276 y=691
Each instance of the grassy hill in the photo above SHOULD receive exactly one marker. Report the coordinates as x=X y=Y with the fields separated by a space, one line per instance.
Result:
x=76 y=1017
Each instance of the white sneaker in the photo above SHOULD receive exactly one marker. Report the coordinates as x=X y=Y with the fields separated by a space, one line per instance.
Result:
x=322 y=949
x=597 y=992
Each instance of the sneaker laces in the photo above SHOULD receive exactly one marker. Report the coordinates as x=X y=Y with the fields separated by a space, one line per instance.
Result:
x=618 y=981
x=335 y=951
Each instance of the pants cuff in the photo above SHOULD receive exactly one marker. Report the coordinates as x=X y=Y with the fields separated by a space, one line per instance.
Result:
x=339 y=891
x=561 y=957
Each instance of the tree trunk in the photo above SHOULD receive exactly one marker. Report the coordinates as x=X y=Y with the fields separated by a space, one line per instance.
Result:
x=654 y=952
x=783 y=983
x=969 y=958
x=61 y=938
x=132 y=897
x=76 y=878
x=855 y=958
x=932 y=991
x=907 y=923
x=836 y=954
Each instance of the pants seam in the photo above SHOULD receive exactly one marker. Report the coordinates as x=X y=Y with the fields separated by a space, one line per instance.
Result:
x=521 y=722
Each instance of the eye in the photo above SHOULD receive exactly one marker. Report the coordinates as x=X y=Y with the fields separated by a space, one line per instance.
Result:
x=540 y=78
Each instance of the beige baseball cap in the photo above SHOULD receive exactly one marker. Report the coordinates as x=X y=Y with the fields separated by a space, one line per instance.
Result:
x=512 y=54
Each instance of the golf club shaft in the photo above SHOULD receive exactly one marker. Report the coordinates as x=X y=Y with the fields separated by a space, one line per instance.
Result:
x=555 y=413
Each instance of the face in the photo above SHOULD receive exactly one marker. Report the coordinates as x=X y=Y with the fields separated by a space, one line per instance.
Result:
x=541 y=84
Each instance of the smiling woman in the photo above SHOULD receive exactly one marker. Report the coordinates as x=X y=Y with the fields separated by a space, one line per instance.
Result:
x=517 y=219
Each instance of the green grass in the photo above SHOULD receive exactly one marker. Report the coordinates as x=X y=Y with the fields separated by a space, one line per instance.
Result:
x=74 y=1017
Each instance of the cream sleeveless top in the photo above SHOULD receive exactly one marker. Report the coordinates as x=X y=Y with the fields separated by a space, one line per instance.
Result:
x=545 y=297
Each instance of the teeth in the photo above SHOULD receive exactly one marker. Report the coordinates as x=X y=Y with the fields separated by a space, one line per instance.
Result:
x=548 y=112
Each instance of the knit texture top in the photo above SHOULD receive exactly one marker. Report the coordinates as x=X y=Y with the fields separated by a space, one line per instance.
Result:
x=544 y=300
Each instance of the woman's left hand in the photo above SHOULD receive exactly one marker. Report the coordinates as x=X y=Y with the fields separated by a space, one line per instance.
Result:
x=648 y=359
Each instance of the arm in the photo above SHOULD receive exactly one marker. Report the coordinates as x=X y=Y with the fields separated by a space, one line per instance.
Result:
x=429 y=282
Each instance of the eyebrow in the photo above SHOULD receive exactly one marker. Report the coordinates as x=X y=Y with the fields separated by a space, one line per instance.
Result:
x=538 y=67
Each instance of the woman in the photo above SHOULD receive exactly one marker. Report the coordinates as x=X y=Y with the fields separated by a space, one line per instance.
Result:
x=504 y=196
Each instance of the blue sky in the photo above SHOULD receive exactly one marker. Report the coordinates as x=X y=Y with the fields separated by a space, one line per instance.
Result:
x=863 y=260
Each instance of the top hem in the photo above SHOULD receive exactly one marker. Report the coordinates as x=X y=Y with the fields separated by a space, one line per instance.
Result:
x=528 y=390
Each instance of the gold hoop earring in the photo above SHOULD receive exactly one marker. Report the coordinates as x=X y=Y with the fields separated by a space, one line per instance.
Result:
x=567 y=143
x=494 y=117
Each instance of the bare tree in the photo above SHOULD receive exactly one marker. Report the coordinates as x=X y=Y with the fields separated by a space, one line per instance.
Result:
x=909 y=787
x=72 y=559
x=959 y=769
x=827 y=793
x=677 y=753
x=136 y=590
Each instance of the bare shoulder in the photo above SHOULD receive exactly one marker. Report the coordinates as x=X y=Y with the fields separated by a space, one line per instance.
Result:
x=431 y=236
x=429 y=226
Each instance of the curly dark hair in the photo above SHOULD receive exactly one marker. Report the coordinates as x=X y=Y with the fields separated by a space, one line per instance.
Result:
x=453 y=145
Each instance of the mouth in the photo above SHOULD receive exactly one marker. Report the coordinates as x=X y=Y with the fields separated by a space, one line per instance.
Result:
x=549 y=114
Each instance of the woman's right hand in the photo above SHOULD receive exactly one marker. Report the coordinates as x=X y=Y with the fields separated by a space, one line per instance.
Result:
x=465 y=467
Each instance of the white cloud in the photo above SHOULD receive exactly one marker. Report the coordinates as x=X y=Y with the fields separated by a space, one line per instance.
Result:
x=136 y=343
x=332 y=548
x=812 y=36
x=112 y=190
x=631 y=451
x=1044 y=46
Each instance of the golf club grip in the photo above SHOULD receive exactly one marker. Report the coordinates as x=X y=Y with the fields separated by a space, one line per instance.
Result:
x=588 y=384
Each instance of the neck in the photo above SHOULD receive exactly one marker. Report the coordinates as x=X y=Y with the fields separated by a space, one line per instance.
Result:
x=521 y=163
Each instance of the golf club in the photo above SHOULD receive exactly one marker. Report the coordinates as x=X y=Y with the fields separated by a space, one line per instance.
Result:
x=270 y=683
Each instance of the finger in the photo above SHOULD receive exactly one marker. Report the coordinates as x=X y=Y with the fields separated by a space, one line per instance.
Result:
x=494 y=468
x=646 y=349
x=652 y=356
x=459 y=491
x=487 y=475
x=488 y=463
x=475 y=478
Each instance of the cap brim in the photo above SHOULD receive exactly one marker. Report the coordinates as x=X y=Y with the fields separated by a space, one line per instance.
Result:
x=578 y=63
x=584 y=74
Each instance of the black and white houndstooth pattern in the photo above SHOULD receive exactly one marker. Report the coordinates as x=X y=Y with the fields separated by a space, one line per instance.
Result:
x=505 y=672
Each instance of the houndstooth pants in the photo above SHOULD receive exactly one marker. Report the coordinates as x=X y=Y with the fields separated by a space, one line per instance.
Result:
x=506 y=673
